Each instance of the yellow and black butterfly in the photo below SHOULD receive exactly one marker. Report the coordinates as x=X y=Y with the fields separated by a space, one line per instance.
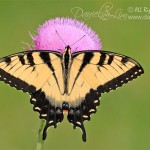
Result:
x=71 y=82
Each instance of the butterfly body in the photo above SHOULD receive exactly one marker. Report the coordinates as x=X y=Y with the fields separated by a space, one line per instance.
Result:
x=67 y=82
x=66 y=63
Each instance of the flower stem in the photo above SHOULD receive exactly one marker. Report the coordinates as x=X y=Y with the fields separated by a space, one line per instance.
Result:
x=40 y=142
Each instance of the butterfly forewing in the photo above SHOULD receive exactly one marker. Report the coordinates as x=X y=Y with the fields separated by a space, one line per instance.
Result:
x=111 y=69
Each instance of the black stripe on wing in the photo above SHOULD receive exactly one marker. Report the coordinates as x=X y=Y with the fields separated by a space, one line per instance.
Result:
x=21 y=59
x=16 y=82
x=86 y=60
x=102 y=59
x=47 y=60
x=131 y=74
x=30 y=59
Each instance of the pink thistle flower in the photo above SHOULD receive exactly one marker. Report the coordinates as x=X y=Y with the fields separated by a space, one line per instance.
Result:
x=70 y=31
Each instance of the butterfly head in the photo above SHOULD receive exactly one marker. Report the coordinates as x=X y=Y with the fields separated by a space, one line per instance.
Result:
x=67 y=47
x=67 y=50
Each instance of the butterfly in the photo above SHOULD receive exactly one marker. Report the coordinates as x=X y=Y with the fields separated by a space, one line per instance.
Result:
x=67 y=82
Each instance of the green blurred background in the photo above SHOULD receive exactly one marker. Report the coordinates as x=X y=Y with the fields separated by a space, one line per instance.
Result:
x=122 y=121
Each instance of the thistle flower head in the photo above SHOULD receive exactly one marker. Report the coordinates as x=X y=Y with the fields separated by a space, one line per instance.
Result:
x=52 y=33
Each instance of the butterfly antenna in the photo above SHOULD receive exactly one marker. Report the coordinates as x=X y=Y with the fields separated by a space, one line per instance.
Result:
x=78 y=40
x=60 y=38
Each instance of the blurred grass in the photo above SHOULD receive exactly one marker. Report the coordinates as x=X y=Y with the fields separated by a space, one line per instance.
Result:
x=122 y=121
